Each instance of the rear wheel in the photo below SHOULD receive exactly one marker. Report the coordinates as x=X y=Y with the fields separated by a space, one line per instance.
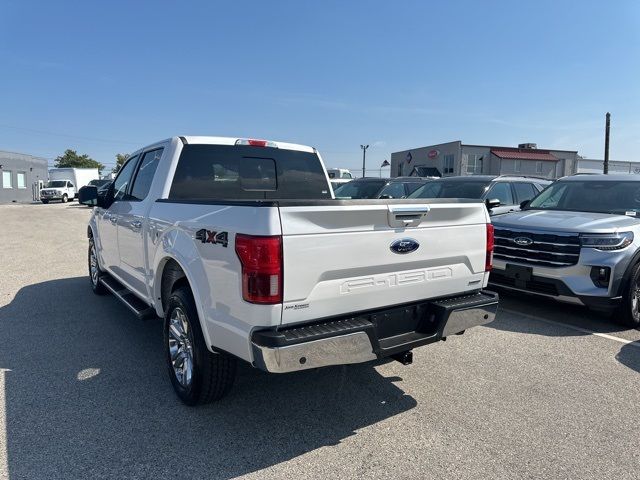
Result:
x=197 y=375
x=94 y=270
x=629 y=311
x=64 y=198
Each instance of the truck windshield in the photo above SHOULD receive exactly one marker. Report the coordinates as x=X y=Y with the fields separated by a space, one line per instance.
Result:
x=57 y=183
x=368 y=189
x=621 y=198
x=218 y=172
x=451 y=189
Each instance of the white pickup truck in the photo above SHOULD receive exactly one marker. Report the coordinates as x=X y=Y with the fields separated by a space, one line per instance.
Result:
x=240 y=247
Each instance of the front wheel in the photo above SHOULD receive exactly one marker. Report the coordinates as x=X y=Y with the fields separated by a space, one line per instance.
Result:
x=197 y=375
x=65 y=198
x=45 y=201
x=94 y=270
x=629 y=311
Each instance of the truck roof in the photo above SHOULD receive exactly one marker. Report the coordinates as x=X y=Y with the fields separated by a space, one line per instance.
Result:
x=211 y=140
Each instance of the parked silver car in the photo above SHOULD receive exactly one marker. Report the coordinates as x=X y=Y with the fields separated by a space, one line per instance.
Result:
x=578 y=242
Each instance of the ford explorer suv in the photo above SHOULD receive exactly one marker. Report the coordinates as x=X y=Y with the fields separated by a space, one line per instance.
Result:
x=577 y=242
x=239 y=246
x=371 y=187
x=502 y=194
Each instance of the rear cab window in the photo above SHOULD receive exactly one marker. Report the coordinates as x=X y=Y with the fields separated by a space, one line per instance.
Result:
x=214 y=172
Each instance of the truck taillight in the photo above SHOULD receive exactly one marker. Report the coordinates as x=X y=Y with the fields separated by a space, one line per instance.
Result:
x=488 y=263
x=261 y=259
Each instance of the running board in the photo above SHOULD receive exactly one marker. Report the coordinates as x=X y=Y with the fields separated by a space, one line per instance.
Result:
x=133 y=303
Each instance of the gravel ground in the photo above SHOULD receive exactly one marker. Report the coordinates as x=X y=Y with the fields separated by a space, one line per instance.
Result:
x=84 y=392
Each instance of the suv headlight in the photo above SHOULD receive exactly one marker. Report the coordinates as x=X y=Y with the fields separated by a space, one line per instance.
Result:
x=607 y=241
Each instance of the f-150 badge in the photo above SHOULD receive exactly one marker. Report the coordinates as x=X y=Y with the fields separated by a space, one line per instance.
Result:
x=209 y=236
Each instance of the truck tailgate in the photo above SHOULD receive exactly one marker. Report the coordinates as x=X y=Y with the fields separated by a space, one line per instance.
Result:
x=339 y=258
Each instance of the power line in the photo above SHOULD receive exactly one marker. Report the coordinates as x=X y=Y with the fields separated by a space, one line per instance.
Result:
x=44 y=132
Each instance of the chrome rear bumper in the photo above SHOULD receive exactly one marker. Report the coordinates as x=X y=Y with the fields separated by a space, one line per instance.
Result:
x=356 y=339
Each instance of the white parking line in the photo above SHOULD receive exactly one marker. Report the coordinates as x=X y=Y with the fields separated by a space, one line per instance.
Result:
x=633 y=343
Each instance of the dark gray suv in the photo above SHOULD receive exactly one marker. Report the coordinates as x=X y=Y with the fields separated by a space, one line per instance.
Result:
x=502 y=194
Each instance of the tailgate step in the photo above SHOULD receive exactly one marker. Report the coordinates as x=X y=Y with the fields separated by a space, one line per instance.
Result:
x=132 y=302
x=294 y=335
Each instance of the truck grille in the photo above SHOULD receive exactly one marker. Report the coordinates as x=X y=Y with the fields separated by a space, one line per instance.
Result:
x=545 y=249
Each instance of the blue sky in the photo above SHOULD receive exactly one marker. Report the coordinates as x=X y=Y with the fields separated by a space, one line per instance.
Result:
x=109 y=77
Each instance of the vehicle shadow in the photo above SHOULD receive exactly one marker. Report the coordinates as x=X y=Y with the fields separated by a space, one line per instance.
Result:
x=516 y=311
x=87 y=396
x=629 y=355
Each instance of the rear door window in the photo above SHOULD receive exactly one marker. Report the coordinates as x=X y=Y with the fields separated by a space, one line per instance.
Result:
x=218 y=172
x=501 y=191
x=394 y=190
x=524 y=191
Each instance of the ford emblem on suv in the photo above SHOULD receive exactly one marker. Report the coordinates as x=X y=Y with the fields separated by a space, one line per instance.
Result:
x=523 y=241
x=404 y=245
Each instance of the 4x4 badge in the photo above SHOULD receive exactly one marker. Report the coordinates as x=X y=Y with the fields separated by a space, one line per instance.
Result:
x=208 y=236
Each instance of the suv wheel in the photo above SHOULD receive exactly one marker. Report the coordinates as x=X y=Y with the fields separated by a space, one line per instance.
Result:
x=629 y=311
x=94 y=270
x=197 y=375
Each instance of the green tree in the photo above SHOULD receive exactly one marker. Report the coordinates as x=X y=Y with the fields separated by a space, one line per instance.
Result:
x=71 y=159
x=120 y=159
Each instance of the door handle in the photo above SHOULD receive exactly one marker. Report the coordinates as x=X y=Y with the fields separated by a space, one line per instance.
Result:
x=136 y=224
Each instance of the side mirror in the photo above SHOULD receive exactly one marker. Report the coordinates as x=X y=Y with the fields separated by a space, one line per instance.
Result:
x=525 y=204
x=492 y=203
x=88 y=196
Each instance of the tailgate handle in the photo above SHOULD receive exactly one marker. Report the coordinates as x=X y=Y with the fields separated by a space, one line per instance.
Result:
x=406 y=215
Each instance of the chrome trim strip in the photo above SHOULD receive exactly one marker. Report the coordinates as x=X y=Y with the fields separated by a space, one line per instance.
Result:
x=541 y=243
x=530 y=260
x=536 y=251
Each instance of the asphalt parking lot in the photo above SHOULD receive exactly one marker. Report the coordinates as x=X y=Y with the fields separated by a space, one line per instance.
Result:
x=545 y=391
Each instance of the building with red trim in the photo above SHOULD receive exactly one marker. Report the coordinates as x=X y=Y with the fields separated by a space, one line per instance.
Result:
x=457 y=158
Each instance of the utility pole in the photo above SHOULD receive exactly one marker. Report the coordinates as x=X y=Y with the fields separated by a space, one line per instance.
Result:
x=605 y=169
x=364 y=157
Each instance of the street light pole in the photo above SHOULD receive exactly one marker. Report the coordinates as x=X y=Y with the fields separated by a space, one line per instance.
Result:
x=364 y=157
x=607 y=127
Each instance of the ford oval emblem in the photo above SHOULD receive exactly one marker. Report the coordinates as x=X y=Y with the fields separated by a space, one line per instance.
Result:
x=523 y=241
x=404 y=245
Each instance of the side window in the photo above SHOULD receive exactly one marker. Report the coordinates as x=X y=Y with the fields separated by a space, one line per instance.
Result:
x=501 y=191
x=123 y=179
x=412 y=187
x=144 y=177
x=70 y=185
x=394 y=190
x=524 y=191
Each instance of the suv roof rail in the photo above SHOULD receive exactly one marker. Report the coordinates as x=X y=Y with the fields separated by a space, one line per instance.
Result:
x=525 y=176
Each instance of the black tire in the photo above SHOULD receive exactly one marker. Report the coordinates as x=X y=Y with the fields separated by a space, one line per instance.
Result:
x=45 y=201
x=212 y=374
x=97 y=287
x=65 y=199
x=629 y=311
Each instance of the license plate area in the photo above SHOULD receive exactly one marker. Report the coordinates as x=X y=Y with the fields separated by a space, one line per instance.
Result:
x=519 y=273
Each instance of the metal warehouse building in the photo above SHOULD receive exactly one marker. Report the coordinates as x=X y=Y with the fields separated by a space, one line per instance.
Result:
x=20 y=176
x=457 y=158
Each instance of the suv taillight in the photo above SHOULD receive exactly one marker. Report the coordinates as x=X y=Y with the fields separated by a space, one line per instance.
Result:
x=261 y=259
x=488 y=263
